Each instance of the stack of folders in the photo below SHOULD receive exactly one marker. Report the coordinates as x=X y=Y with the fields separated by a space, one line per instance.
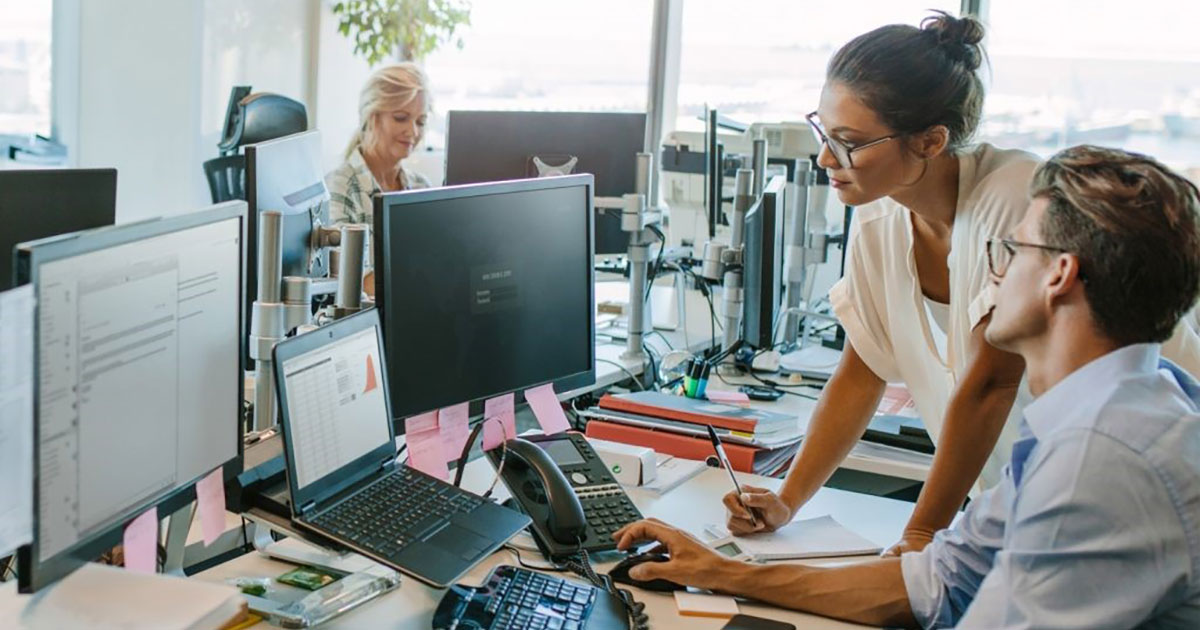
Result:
x=756 y=441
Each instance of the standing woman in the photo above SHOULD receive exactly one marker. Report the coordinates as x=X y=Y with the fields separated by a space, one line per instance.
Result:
x=898 y=109
x=392 y=111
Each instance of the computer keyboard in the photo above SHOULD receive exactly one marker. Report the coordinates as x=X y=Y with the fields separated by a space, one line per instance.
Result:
x=396 y=511
x=518 y=598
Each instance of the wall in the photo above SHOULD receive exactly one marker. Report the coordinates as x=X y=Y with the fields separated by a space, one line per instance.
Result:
x=150 y=82
x=142 y=85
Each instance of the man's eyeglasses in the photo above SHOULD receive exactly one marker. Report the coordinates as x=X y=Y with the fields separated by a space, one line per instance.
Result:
x=841 y=151
x=1001 y=251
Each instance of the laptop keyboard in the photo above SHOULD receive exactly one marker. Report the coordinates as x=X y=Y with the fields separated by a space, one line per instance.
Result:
x=396 y=511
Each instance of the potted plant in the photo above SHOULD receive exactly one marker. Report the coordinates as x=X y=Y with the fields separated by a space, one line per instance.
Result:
x=404 y=29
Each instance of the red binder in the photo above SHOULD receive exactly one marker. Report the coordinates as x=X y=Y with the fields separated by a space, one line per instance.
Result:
x=660 y=405
x=679 y=445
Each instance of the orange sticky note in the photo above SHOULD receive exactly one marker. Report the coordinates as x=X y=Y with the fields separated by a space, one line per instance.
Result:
x=210 y=501
x=141 y=542
x=546 y=409
x=453 y=424
x=499 y=421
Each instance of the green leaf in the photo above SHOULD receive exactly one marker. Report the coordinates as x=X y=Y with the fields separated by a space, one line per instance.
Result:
x=413 y=28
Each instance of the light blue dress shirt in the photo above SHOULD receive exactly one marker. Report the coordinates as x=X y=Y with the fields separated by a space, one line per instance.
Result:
x=1096 y=523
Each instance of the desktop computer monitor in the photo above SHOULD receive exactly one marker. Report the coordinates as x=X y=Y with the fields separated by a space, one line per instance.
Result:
x=38 y=203
x=138 y=380
x=284 y=174
x=762 y=277
x=495 y=146
x=485 y=289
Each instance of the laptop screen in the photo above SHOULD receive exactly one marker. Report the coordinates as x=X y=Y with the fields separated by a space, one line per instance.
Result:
x=336 y=410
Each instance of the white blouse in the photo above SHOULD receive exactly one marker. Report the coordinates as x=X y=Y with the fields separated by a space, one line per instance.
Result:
x=880 y=303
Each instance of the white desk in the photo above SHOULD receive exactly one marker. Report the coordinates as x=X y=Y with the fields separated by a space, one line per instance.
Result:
x=691 y=506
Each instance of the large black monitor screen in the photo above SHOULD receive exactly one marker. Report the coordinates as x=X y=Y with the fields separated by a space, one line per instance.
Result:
x=485 y=289
x=38 y=203
x=763 y=285
x=483 y=146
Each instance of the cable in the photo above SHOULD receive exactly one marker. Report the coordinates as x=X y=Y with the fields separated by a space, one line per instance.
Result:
x=653 y=365
x=662 y=247
x=581 y=564
x=670 y=346
x=641 y=388
x=521 y=561
x=461 y=465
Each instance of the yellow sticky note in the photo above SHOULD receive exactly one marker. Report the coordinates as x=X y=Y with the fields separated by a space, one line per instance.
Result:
x=699 y=605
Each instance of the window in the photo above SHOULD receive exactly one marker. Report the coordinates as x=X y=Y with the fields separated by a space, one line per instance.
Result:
x=1117 y=77
x=544 y=55
x=25 y=67
x=764 y=60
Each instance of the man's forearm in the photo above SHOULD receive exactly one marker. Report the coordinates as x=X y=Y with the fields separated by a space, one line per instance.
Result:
x=871 y=593
x=973 y=424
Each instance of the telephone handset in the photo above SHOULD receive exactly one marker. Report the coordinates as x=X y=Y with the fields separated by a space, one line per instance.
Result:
x=562 y=514
x=567 y=491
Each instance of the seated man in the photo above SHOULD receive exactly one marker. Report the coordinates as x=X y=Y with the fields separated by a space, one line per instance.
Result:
x=1096 y=523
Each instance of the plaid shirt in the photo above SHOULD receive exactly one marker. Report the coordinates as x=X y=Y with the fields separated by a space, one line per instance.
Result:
x=350 y=188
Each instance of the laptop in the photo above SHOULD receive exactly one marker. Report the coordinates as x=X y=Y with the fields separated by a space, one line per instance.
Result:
x=339 y=446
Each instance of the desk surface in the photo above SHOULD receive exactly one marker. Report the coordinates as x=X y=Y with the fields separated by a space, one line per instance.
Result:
x=690 y=506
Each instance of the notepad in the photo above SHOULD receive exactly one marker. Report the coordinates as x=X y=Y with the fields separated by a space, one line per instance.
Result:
x=700 y=605
x=821 y=537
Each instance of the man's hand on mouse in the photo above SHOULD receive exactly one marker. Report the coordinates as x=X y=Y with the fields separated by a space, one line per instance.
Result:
x=770 y=511
x=690 y=561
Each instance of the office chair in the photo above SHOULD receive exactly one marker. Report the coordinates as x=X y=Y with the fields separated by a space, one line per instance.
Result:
x=249 y=118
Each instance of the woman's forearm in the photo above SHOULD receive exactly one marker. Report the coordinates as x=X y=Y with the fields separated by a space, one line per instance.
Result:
x=974 y=419
x=845 y=408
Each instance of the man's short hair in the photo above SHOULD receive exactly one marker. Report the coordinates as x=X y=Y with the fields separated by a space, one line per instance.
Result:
x=1133 y=224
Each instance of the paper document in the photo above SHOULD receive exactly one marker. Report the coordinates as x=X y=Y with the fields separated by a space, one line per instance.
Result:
x=821 y=537
x=98 y=596
x=16 y=418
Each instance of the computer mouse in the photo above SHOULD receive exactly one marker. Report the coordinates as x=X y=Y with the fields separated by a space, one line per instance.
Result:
x=620 y=573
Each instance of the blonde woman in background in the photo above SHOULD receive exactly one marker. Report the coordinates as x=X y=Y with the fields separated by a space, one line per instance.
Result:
x=392 y=112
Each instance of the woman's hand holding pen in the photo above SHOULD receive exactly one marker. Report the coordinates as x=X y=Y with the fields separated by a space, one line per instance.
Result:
x=770 y=511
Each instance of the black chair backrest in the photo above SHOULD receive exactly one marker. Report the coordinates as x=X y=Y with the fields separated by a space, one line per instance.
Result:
x=226 y=177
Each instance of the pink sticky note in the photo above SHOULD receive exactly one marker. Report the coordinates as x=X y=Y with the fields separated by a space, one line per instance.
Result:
x=210 y=497
x=141 y=542
x=426 y=453
x=717 y=395
x=423 y=422
x=546 y=409
x=499 y=421
x=453 y=423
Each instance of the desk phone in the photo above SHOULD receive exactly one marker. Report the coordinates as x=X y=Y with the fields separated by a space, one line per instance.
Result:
x=564 y=486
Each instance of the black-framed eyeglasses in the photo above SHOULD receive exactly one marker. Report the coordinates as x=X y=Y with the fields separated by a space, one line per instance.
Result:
x=841 y=151
x=1001 y=251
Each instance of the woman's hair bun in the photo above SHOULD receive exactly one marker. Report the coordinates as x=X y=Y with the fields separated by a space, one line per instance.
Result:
x=959 y=38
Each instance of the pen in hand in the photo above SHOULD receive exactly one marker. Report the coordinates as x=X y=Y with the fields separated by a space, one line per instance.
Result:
x=716 y=442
